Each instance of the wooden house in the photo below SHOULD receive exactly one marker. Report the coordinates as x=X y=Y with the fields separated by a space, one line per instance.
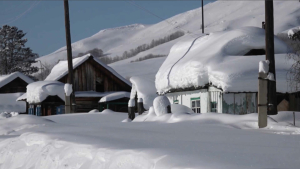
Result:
x=13 y=86
x=92 y=81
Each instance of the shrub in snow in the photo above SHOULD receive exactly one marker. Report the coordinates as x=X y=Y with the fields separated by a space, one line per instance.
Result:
x=161 y=105
x=5 y=115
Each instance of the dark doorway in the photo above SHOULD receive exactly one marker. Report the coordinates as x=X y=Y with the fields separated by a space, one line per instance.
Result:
x=255 y=52
x=99 y=87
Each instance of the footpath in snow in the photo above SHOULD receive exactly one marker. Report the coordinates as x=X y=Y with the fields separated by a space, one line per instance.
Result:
x=178 y=140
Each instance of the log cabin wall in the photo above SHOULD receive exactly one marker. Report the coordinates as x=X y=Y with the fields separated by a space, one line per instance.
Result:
x=16 y=86
x=91 y=76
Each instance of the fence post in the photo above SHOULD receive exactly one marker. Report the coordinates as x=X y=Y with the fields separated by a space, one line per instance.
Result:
x=140 y=106
x=262 y=98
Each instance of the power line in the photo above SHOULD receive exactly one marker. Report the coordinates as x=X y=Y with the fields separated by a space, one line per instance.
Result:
x=153 y=14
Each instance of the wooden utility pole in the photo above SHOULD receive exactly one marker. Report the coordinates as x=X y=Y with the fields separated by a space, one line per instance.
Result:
x=269 y=18
x=202 y=18
x=69 y=53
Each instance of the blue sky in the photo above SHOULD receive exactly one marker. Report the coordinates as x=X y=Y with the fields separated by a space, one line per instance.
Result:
x=43 y=21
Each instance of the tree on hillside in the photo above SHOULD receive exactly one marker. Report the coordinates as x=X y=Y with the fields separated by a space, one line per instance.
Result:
x=14 y=56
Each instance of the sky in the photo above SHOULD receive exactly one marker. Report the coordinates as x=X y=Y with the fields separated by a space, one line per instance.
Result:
x=43 y=20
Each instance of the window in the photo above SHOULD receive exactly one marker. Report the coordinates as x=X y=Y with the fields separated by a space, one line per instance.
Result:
x=195 y=105
x=175 y=101
x=214 y=107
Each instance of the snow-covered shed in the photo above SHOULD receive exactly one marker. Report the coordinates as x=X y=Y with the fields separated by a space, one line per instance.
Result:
x=116 y=101
x=13 y=86
x=14 y=83
x=219 y=72
x=92 y=81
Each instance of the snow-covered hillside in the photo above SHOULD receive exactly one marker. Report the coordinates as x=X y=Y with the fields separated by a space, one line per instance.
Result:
x=234 y=14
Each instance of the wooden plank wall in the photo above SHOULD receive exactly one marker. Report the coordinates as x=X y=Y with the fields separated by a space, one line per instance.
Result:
x=86 y=74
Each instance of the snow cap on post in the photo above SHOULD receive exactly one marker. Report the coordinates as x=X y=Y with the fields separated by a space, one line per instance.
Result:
x=264 y=66
x=68 y=89
x=131 y=103
x=140 y=100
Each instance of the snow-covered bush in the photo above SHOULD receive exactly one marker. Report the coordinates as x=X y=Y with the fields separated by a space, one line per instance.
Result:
x=161 y=105
x=151 y=111
x=4 y=115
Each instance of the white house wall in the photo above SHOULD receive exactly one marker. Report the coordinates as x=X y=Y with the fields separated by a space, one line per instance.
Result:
x=184 y=98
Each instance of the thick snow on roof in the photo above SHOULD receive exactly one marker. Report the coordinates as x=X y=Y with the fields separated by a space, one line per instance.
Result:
x=145 y=89
x=218 y=59
x=114 y=96
x=9 y=103
x=39 y=91
x=61 y=69
x=22 y=97
x=4 y=79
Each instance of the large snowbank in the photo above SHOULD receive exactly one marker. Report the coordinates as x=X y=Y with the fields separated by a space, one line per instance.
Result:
x=4 y=79
x=9 y=103
x=177 y=140
x=114 y=96
x=143 y=88
x=39 y=91
x=218 y=59
x=61 y=69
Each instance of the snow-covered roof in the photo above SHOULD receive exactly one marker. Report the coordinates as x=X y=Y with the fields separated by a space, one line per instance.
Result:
x=61 y=69
x=9 y=103
x=218 y=58
x=5 y=79
x=114 y=96
x=91 y=94
x=22 y=97
x=39 y=91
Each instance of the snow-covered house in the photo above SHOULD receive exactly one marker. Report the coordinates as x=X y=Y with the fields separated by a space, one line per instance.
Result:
x=13 y=86
x=92 y=81
x=219 y=72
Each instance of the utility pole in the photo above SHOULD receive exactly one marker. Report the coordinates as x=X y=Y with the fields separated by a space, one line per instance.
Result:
x=269 y=18
x=202 y=18
x=69 y=54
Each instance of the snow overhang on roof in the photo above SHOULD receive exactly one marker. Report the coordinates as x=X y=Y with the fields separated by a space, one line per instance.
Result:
x=114 y=96
x=37 y=92
x=218 y=59
x=61 y=69
x=5 y=79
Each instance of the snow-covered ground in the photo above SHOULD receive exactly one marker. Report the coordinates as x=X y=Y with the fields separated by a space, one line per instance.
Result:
x=179 y=140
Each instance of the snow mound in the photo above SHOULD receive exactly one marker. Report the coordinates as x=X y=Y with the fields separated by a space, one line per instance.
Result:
x=4 y=79
x=39 y=91
x=160 y=105
x=178 y=108
x=218 y=58
x=114 y=96
x=94 y=111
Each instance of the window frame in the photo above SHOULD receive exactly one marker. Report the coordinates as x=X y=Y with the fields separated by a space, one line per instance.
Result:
x=196 y=108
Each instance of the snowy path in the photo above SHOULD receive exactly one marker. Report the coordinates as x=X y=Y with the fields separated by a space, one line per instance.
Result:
x=101 y=140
